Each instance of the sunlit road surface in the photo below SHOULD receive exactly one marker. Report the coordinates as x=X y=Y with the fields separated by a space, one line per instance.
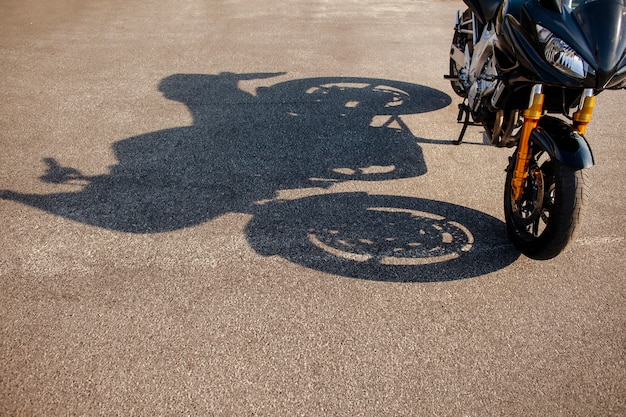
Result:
x=239 y=208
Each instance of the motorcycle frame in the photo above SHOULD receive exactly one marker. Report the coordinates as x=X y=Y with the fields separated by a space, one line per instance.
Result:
x=571 y=148
x=505 y=52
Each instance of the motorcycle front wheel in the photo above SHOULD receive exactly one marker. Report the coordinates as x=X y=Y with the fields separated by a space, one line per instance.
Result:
x=543 y=221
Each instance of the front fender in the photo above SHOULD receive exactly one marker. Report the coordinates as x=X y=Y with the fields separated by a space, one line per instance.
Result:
x=561 y=142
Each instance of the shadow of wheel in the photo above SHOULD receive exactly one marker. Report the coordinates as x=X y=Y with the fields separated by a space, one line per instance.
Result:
x=353 y=94
x=382 y=238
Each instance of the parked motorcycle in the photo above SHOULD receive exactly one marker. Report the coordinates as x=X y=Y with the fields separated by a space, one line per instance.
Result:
x=517 y=64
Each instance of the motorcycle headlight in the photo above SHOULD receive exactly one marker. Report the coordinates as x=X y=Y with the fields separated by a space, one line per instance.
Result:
x=560 y=55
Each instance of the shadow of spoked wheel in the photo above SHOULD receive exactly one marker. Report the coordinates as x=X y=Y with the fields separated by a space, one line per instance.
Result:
x=382 y=238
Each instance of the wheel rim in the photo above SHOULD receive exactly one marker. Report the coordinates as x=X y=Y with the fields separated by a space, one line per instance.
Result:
x=533 y=211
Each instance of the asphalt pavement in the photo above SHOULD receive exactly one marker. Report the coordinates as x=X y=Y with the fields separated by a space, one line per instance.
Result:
x=255 y=208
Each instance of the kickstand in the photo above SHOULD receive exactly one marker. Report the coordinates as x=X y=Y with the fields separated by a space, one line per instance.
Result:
x=464 y=113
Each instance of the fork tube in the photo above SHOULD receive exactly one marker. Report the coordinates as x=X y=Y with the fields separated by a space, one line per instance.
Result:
x=531 y=118
x=583 y=116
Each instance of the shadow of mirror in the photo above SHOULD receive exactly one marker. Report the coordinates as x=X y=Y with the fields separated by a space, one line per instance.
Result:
x=382 y=238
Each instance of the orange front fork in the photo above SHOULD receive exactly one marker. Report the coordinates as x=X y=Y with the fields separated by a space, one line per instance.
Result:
x=531 y=118
x=583 y=116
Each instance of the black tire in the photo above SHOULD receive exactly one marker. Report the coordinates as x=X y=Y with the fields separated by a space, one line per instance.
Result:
x=543 y=221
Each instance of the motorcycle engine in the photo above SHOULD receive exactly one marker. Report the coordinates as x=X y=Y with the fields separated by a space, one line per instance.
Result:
x=482 y=87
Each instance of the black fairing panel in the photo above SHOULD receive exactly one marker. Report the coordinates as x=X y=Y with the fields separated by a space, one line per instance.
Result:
x=484 y=10
x=513 y=8
x=520 y=46
x=562 y=143
x=595 y=29
x=603 y=24
x=554 y=5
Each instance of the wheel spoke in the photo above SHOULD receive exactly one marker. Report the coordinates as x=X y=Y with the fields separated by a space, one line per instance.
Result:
x=536 y=226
